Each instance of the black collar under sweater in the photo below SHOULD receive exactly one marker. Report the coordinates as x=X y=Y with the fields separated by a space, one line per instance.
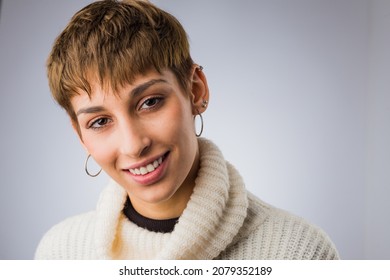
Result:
x=163 y=226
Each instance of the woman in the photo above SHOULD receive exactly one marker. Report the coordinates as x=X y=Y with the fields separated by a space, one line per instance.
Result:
x=124 y=74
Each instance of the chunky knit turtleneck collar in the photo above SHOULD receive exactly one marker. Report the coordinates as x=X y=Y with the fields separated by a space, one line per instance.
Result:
x=213 y=217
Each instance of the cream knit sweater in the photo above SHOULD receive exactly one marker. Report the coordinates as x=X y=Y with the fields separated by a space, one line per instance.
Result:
x=221 y=221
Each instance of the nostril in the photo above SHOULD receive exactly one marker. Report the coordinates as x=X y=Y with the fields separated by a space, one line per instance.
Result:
x=145 y=149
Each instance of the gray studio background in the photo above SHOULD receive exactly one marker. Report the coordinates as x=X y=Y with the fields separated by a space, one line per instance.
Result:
x=300 y=104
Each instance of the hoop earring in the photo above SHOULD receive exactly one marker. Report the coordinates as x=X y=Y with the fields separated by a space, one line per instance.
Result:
x=201 y=124
x=86 y=168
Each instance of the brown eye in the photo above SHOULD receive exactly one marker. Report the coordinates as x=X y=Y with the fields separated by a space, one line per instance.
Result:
x=99 y=123
x=151 y=103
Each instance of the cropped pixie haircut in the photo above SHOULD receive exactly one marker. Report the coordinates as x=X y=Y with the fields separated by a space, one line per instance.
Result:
x=114 y=41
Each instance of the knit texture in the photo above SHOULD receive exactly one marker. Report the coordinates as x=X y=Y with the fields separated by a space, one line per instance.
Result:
x=221 y=221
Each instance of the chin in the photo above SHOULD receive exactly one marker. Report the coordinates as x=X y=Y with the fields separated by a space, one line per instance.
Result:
x=152 y=194
x=155 y=197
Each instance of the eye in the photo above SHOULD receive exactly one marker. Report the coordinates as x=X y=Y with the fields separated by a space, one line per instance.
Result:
x=151 y=103
x=99 y=123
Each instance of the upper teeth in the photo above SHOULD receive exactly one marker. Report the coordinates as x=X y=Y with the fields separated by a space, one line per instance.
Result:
x=146 y=169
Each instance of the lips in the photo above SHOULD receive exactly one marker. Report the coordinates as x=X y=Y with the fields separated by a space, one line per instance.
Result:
x=143 y=170
x=149 y=172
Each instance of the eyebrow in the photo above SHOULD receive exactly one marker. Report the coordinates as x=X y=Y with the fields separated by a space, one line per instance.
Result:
x=134 y=93
x=90 y=110
x=142 y=87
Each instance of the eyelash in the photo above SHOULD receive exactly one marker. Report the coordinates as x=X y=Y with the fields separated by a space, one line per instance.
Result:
x=91 y=125
x=156 y=100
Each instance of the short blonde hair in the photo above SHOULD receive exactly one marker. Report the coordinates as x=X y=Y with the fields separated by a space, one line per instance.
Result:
x=115 y=41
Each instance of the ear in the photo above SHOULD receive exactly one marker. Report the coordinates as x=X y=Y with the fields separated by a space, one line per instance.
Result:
x=76 y=128
x=199 y=90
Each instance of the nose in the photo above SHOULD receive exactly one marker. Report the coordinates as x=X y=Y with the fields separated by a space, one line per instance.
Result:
x=134 y=140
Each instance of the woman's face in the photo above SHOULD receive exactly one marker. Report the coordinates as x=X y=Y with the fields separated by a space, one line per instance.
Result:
x=143 y=136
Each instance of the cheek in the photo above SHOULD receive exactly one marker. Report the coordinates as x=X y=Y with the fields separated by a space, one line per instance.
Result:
x=100 y=150
x=180 y=120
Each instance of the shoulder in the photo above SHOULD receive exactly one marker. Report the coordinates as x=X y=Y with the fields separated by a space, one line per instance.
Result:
x=70 y=239
x=273 y=233
x=291 y=237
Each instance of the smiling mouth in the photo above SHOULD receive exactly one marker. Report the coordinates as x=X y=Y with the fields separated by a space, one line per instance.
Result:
x=143 y=170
